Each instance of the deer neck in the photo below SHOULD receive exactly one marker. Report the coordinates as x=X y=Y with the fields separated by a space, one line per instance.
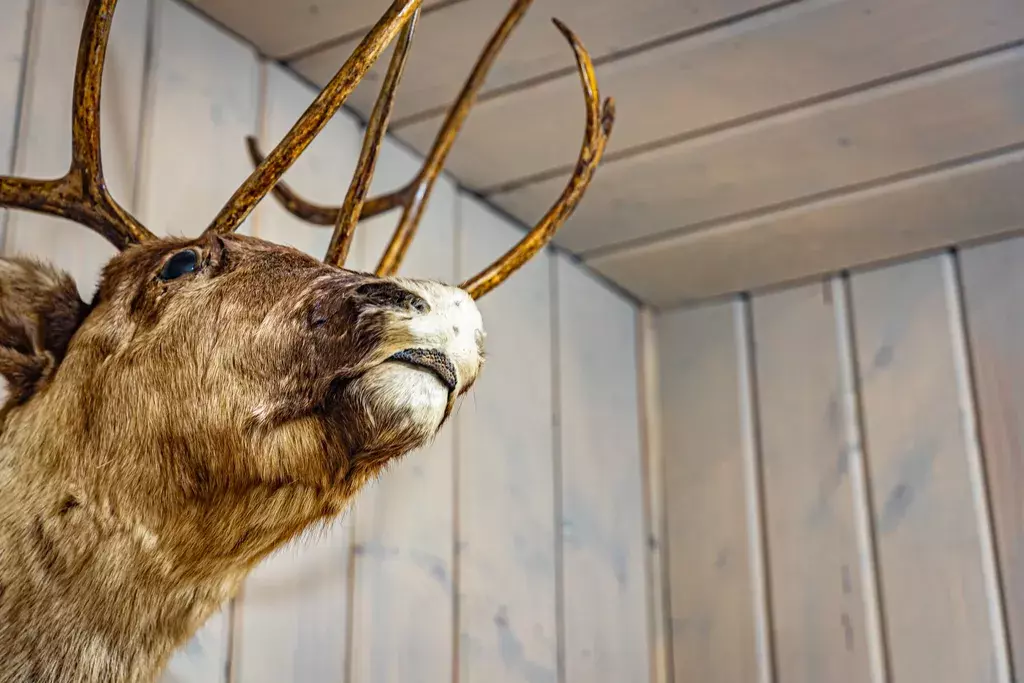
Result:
x=87 y=593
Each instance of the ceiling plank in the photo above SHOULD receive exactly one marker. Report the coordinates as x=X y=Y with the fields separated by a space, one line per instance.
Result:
x=449 y=40
x=279 y=29
x=773 y=60
x=977 y=200
x=955 y=112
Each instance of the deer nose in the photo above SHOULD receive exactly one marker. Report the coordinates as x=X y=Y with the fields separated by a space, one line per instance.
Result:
x=390 y=295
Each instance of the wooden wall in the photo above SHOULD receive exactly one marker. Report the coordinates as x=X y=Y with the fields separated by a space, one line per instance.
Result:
x=840 y=466
x=512 y=549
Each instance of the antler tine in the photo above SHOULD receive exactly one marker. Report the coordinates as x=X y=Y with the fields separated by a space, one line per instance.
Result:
x=599 y=125
x=81 y=195
x=421 y=187
x=376 y=128
x=317 y=214
x=313 y=120
x=413 y=196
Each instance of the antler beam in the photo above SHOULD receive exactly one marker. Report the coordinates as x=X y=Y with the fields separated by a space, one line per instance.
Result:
x=413 y=196
x=81 y=194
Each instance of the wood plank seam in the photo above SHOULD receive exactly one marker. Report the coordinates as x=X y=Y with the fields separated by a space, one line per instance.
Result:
x=953 y=284
x=655 y=517
x=19 y=105
x=353 y=35
x=860 y=481
x=754 y=486
x=624 y=53
x=756 y=118
x=556 y=459
x=814 y=201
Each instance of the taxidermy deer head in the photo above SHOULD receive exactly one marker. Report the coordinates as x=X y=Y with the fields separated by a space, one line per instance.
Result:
x=218 y=395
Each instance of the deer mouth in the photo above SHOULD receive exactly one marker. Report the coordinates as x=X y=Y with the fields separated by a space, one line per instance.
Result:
x=435 y=362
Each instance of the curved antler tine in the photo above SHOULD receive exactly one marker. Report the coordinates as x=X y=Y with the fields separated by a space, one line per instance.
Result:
x=376 y=128
x=81 y=195
x=599 y=125
x=421 y=187
x=318 y=214
x=313 y=120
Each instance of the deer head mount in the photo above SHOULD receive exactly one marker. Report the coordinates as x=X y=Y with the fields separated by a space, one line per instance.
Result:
x=219 y=395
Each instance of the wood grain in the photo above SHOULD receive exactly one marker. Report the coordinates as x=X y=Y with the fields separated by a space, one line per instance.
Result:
x=203 y=102
x=713 y=615
x=941 y=606
x=603 y=577
x=824 y=602
x=448 y=41
x=291 y=620
x=44 y=144
x=950 y=206
x=956 y=111
x=404 y=588
x=993 y=283
x=777 y=59
x=506 y=559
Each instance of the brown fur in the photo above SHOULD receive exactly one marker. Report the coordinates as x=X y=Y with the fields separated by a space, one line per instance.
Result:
x=161 y=441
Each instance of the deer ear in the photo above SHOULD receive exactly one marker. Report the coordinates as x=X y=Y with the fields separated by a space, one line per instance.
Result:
x=40 y=309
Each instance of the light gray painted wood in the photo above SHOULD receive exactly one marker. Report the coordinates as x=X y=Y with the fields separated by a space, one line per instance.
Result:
x=291 y=620
x=403 y=524
x=914 y=123
x=824 y=603
x=980 y=199
x=993 y=284
x=448 y=42
x=279 y=28
x=801 y=51
x=203 y=101
x=711 y=580
x=941 y=610
x=603 y=577
x=44 y=144
x=13 y=47
x=506 y=538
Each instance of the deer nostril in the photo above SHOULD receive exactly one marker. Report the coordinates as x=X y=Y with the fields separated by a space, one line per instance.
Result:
x=389 y=294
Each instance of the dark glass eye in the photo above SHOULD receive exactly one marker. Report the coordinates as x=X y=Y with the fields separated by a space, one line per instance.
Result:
x=181 y=263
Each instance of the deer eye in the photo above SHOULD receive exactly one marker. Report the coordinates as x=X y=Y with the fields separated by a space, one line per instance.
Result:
x=181 y=263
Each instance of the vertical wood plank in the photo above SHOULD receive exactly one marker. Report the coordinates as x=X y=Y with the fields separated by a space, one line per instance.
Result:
x=202 y=98
x=202 y=102
x=403 y=594
x=602 y=535
x=824 y=603
x=507 y=627
x=44 y=145
x=654 y=478
x=993 y=285
x=713 y=617
x=291 y=619
x=941 y=613
x=13 y=53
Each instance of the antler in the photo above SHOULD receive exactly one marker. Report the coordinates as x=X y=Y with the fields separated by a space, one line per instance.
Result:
x=600 y=119
x=313 y=120
x=413 y=196
x=81 y=194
